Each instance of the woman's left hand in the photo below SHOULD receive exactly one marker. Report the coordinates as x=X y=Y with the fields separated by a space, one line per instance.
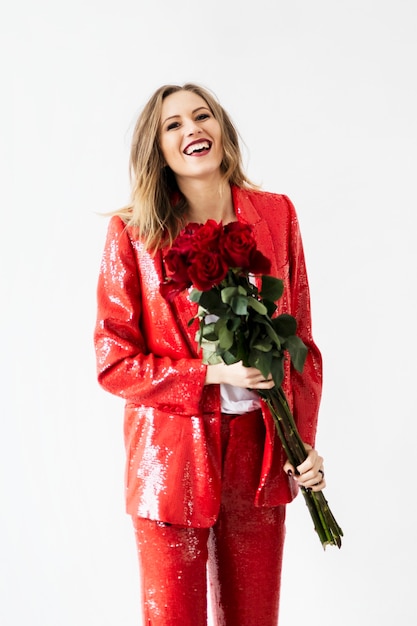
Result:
x=310 y=472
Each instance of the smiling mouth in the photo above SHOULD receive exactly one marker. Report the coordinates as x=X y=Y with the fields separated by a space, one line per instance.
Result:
x=198 y=148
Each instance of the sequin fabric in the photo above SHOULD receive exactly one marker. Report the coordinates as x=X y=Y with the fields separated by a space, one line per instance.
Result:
x=146 y=354
x=243 y=548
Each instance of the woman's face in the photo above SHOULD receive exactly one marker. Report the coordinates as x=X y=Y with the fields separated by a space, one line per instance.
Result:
x=190 y=137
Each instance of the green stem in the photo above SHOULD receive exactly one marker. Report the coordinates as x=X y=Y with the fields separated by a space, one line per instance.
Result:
x=283 y=419
x=328 y=518
x=325 y=524
x=319 y=524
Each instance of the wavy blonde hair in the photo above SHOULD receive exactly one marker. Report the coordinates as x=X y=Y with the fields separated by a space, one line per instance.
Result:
x=157 y=209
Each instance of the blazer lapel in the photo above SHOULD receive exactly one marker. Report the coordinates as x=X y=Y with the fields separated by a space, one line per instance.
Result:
x=247 y=212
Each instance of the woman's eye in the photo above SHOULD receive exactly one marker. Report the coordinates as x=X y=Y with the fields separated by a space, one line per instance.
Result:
x=172 y=125
x=202 y=116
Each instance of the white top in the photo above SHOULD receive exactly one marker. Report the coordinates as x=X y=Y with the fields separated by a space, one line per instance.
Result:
x=238 y=400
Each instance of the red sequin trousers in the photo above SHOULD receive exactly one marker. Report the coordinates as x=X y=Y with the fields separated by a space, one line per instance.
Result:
x=243 y=549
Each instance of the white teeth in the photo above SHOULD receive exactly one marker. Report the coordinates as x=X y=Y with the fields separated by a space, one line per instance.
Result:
x=197 y=147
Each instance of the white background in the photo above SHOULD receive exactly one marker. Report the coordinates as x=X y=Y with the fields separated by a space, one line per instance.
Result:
x=324 y=96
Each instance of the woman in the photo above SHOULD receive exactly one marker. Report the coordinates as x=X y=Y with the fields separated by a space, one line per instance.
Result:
x=206 y=477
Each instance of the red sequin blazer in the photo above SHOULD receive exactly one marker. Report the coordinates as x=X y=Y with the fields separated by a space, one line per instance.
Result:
x=146 y=354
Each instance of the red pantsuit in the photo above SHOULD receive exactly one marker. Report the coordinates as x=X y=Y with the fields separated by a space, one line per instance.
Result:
x=243 y=548
x=191 y=476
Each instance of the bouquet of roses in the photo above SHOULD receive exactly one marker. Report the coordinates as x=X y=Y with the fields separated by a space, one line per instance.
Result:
x=219 y=263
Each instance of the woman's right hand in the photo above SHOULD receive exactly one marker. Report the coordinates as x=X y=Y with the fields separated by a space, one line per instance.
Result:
x=238 y=375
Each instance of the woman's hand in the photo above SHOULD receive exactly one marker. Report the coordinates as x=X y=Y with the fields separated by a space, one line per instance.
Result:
x=311 y=471
x=238 y=375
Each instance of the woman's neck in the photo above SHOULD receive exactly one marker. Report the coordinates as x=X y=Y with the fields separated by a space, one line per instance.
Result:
x=209 y=202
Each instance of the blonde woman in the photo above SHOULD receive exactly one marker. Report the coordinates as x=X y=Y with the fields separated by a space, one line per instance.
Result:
x=207 y=480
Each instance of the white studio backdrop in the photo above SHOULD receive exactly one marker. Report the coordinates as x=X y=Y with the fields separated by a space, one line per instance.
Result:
x=324 y=96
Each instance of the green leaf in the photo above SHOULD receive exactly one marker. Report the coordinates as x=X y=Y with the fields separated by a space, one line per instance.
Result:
x=233 y=323
x=297 y=351
x=254 y=333
x=272 y=288
x=261 y=360
x=199 y=333
x=226 y=338
x=213 y=359
x=273 y=335
x=208 y=332
x=271 y=307
x=207 y=329
x=285 y=325
x=229 y=358
x=261 y=320
x=228 y=293
x=210 y=300
x=277 y=370
x=220 y=323
x=264 y=344
x=195 y=295
x=259 y=307
x=239 y=305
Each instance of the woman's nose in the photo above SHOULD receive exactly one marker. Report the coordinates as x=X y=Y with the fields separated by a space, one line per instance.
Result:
x=192 y=127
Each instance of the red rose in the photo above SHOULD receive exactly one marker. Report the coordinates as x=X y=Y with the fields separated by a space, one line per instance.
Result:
x=207 y=269
x=172 y=288
x=238 y=244
x=183 y=245
x=208 y=237
x=258 y=263
x=239 y=249
x=177 y=264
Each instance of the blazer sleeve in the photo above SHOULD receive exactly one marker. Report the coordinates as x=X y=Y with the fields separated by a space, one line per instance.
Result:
x=124 y=365
x=306 y=386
